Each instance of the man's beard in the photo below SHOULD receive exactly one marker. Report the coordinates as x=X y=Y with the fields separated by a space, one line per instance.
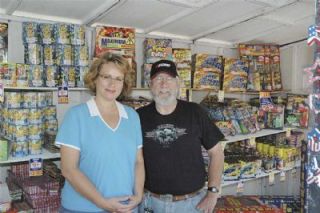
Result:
x=165 y=101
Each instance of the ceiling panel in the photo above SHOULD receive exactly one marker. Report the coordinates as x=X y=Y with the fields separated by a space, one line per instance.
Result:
x=4 y=4
x=293 y=12
x=287 y=34
x=245 y=30
x=140 y=14
x=73 y=9
x=210 y=17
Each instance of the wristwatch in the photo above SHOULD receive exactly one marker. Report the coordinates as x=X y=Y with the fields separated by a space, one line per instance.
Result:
x=213 y=189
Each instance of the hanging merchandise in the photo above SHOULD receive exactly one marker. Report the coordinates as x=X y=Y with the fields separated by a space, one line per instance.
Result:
x=22 y=75
x=64 y=55
x=310 y=191
x=32 y=54
x=52 y=76
x=80 y=73
x=77 y=34
x=68 y=76
x=30 y=32
x=46 y=33
x=313 y=36
x=9 y=75
x=36 y=76
x=3 y=42
x=62 y=33
x=81 y=55
x=48 y=55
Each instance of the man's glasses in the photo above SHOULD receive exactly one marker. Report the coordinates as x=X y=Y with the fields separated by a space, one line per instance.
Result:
x=109 y=78
x=160 y=79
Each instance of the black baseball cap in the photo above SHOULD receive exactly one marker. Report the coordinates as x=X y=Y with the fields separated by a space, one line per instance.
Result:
x=165 y=66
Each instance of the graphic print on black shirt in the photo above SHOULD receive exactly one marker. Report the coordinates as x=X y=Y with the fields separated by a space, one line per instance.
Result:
x=165 y=134
x=172 y=147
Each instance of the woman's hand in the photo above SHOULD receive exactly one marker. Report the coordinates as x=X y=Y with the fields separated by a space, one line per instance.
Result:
x=117 y=205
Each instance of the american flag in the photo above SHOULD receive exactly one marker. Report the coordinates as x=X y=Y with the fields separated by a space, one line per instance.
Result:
x=313 y=31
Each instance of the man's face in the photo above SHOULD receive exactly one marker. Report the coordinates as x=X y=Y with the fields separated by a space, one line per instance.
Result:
x=164 y=89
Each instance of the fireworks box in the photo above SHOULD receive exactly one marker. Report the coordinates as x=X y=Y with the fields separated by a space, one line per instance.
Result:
x=243 y=204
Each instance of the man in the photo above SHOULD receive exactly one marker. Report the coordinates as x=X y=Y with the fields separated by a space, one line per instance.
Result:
x=173 y=132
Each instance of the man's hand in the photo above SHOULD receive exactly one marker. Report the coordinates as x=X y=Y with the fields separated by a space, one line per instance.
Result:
x=208 y=203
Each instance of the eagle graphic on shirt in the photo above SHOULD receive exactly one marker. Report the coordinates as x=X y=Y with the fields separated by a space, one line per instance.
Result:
x=166 y=134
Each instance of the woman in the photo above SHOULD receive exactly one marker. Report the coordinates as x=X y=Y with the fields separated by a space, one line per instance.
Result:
x=101 y=155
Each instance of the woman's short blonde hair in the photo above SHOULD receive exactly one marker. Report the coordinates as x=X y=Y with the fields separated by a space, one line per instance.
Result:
x=119 y=61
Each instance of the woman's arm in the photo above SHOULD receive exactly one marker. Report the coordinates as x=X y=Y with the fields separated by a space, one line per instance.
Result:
x=140 y=175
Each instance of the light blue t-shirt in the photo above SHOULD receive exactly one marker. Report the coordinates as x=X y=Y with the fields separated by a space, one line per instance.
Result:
x=107 y=156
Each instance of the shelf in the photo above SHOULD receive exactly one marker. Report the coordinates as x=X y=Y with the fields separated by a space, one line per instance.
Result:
x=261 y=133
x=44 y=88
x=260 y=175
x=241 y=93
x=45 y=155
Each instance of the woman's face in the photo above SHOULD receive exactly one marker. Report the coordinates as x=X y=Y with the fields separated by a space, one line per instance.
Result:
x=109 y=83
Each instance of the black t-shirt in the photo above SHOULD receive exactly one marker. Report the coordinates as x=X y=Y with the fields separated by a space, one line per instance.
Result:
x=172 y=147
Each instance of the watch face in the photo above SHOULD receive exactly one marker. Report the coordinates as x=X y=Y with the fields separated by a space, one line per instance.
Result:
x=213 y=189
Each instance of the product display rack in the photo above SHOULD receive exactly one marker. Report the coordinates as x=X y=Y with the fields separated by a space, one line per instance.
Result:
x=262 y=175
x=44 y=155
x=261 y=133
x=43 y=88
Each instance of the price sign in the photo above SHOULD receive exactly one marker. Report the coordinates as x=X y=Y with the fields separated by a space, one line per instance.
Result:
x=252 y=142
x=264 y=94
x=288 y=132
x=63 y=97
x=221 y=96
x=294 y=173
x=1 y=92
x=282 y=176
x=240 y=187
x=35 y=167
x=271 y=178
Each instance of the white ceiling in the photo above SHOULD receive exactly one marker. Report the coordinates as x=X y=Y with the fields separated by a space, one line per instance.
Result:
x=220 y=21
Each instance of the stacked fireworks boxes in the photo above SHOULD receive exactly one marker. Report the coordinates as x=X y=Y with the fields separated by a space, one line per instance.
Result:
x=40 y=194
x=244 y=204
x=55 y=55
x=182 y=58
x=158 y=49
x=207 y=71
x=25 y=116
x=235 y=75
x=241 y=161
x=264 y=66
x=154 y=50
x=118 y=40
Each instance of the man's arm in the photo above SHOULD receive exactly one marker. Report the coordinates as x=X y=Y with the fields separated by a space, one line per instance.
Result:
x=215 y=170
